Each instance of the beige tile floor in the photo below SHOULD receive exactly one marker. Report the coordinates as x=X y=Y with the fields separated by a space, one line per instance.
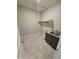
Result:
x=35 y=47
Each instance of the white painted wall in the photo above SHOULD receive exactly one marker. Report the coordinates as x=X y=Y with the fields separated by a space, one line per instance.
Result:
x=54 y=13
x=27 y=21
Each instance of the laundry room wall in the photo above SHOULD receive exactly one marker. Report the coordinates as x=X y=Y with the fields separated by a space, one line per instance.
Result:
x=27 y=21
x=53 y=13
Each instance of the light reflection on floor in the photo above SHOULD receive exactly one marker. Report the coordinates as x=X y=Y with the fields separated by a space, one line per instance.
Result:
x=35 y=47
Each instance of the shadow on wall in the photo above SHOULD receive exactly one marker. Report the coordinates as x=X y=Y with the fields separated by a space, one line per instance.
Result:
x=27 y=21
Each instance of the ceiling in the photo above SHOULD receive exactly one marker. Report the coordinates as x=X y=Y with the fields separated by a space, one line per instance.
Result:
x=43 y=4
